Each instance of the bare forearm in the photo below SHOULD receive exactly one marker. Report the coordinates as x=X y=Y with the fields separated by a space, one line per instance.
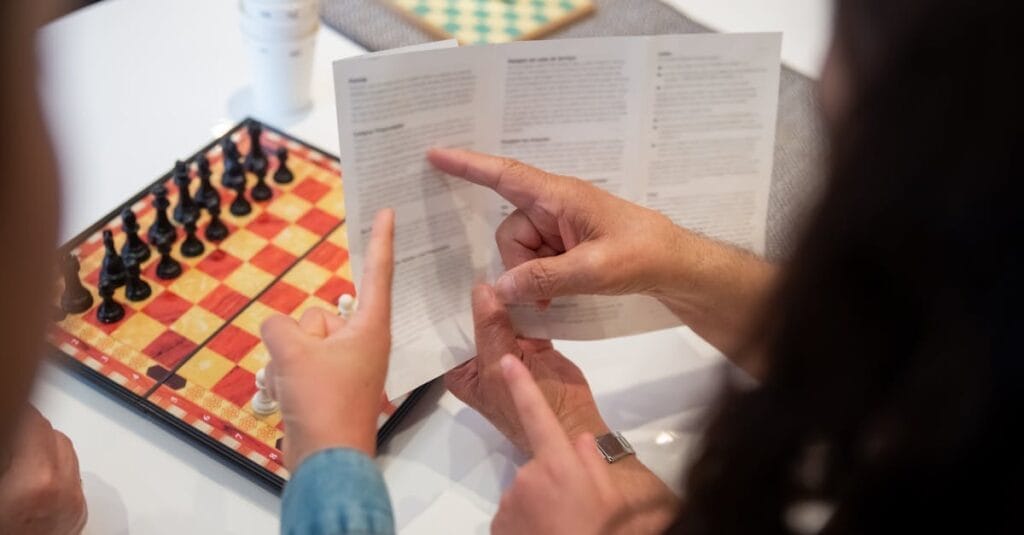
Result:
x=652 y=505
x=718 y=291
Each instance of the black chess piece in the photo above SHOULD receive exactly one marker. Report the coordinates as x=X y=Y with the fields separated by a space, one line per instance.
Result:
x=192 y=246
x=256 y=160
x=240 y=206
x=135 y=288
x=206 y=194
x=162 y=229
x=216 y=230
x=112 y=272
x=230 y=149
x=186 y=209
x=283 y=175
x=109 y=311
x=261 y=191
x=134 y=249
x=233 y=172
x=76 y=298
x=168 y=268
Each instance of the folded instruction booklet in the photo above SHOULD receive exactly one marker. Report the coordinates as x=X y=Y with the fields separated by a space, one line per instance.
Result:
x=684 y=124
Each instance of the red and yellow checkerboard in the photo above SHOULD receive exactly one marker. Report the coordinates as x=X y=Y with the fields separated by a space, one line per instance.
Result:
x=191 y=350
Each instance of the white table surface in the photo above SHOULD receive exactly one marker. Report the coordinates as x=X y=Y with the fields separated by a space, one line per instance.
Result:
x=131 y=85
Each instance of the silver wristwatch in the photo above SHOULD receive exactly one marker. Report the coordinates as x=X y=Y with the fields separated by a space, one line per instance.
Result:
x=614 y=446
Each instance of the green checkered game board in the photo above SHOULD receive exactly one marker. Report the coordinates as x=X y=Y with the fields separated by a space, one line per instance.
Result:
x=492 y=21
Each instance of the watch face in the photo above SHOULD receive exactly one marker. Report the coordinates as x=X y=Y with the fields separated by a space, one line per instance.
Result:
x=611 y=446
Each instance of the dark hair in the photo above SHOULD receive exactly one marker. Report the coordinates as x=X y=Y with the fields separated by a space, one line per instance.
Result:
x=895 y=378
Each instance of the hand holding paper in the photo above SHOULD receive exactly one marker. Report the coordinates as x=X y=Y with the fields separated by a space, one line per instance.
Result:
x=567 y=236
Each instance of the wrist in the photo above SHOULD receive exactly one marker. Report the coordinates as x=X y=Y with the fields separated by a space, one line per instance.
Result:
x=358 y=431
x=651 y=503
x=304 y=447
x=715 y=289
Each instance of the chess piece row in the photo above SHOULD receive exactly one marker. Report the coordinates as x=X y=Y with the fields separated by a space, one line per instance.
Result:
x=263 y=403
x=124 y=269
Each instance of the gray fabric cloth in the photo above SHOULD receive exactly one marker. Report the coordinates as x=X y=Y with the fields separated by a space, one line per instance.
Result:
x=799 y=137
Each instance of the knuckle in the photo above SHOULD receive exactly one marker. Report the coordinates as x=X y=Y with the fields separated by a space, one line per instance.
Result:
x=543 y=279
x=599 y=259
x=64 y=442
x=601 y=268
x=45 y=487
x=511 y=167
x=555 y=471
x=491 y=320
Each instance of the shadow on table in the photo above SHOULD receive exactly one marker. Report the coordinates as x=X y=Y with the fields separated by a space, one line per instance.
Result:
x=107 y=511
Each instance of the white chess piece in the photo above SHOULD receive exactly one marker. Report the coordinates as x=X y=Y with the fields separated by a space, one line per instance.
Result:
x=346 y=305
x=262 y=402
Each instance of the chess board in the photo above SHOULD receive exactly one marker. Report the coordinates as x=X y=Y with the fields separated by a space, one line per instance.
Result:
x=187 y=355
x=492 y=21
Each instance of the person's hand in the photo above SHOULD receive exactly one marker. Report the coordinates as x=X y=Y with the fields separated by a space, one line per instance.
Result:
x=569 y=237
x=566 y=236
x=328 y=373
x=40 y=486
x=566 y=487
x=480 y=385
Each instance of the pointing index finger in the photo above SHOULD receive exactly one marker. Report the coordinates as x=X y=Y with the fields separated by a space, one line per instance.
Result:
x=520 y=184
x=546 y=436
x=375 y=290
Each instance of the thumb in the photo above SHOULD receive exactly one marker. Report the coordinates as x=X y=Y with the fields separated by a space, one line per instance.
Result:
x=570 y=273
x=283 y=337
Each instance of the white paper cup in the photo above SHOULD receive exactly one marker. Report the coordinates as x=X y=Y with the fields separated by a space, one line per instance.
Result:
x=281 y=72
x=264 y=30
x=280 y=11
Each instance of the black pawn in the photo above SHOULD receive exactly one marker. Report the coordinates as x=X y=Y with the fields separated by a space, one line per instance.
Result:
x=162 y=230
x=230 y=149
x=283 y=175
x=206 y=195
x=112 y=272
x=134 y=250
x=261 y=191
x=233 y=172
x=168 y=268
x=216 y=230
x=256 y=160
x=192 y=246
x=187 y=209
x=240 y=206
x=135 y=288
x=76 y=298
x=109 y=311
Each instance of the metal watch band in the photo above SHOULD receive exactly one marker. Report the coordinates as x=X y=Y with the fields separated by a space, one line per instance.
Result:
x=614 y=446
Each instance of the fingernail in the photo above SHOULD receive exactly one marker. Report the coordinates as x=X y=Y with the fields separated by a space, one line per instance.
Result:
x=505 y=287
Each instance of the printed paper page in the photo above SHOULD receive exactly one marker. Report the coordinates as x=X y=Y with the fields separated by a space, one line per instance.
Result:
x=391 y=109
x=683 y=124
x=711 y=133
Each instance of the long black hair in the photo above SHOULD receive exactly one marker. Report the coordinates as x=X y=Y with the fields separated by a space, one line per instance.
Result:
x=895 y=379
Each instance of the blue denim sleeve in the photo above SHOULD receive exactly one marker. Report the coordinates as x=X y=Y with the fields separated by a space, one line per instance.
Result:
x=336 y=492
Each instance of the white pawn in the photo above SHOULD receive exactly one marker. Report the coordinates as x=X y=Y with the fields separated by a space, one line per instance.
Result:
x=262 y=402
x=347 y=305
